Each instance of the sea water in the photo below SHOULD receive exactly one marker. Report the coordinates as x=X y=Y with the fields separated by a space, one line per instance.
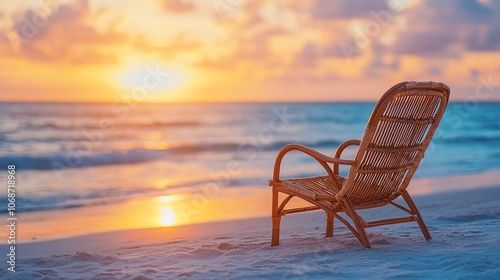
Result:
x=79 y=155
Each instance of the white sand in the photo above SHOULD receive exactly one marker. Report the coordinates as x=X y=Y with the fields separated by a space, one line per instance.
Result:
x=466 y=243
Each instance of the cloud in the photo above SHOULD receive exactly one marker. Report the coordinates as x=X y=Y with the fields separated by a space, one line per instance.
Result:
x=484 y=39
x=88 y=56
x=339 y=9
x=249 y=39
x=473 y=11
x=168 y=50
x=441 y=27
x=435 y=42
x=313 y=53
x=64 y=36
x=249 y=50
x=279 y=43
x=178 y=6
x=34 y=24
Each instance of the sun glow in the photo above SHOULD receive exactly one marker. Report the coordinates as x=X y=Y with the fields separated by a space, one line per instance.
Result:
x=162 y=184
x=167 y=217
x=169 y=198
x=152 y=77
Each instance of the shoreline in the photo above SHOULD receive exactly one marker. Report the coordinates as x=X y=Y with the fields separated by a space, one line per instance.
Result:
x=187 y=232
x=188 y=206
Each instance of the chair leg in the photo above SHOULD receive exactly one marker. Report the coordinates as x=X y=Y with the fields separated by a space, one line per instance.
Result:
x=329 y=225
x=358 y=223
x=414 y=209
x=275 y=239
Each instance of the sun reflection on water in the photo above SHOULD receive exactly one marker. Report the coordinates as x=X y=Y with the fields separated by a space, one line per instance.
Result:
x=167 y=217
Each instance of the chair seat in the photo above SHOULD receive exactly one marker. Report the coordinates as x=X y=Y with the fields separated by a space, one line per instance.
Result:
x=311 y=187
x=398 y=132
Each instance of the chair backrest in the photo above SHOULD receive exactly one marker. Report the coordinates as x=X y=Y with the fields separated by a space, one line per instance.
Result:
x=398 y=133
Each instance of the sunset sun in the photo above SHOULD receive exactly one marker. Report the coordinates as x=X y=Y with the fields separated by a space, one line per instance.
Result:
x=152 y=77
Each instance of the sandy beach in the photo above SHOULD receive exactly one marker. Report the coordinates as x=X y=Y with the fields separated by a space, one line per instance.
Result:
x=465 y=227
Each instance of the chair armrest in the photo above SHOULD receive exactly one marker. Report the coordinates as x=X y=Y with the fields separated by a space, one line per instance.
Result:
x=339 y=151
x=319 y=157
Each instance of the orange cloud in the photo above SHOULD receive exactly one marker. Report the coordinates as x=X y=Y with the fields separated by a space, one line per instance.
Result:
x=178 y=6
x=250 y=50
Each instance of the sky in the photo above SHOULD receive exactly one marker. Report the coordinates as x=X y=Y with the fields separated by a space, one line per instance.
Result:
x=245 y=51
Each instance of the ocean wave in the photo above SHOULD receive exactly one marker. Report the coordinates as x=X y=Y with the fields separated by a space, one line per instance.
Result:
x=67 y=200
x=94 y=197
x=59 y=160
x=96 y=125
x=468 y=139
x=62 y=114
x=67 y=139
x=65 y=160
x=141 y=154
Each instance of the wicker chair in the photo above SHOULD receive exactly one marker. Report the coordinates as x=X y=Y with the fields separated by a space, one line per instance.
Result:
x=399 y=131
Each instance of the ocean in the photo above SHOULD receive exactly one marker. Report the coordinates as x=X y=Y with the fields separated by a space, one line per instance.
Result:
x=70 y=155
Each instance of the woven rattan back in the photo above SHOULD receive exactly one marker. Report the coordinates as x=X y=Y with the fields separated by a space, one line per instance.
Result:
x=398 y=133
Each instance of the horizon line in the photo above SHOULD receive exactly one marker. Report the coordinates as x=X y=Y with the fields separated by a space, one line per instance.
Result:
x=226 y=102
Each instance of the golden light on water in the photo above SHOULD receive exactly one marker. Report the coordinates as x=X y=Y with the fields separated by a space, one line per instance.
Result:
x=167 y=217
x=162 y=184
x=150 y=212
x=167 y=198
x=158 y=145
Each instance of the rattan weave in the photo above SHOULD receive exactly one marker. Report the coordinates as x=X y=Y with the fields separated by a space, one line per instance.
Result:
x=398 y=133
